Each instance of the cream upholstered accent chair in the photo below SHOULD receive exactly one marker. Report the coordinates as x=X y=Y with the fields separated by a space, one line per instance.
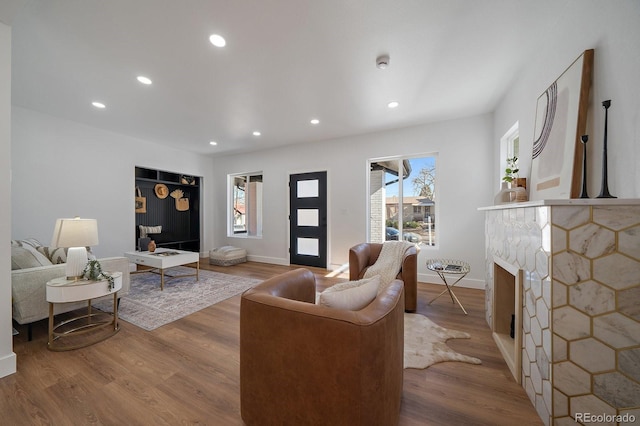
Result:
x=363 y=255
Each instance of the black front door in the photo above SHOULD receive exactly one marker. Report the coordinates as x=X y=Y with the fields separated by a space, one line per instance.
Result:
x=308 y=219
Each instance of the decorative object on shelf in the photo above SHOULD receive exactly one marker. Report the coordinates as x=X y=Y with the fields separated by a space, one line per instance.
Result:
x=604 y=192
x=584 y=139
x=511 y=172
x=93 y=271
x=141 y=202
x=75 y=234
x=561 y=118
x=187 y=180
x=143 y=243
x=161 y=191
x=182 y=203
x=152 y=246
x=506 y=194
x=519 y=193
x=517 y=185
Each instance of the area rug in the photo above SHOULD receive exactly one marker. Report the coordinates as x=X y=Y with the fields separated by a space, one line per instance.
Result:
x=149 y=308
x=424 y=343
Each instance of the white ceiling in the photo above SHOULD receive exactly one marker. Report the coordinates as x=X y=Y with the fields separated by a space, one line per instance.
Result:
x=286 y=62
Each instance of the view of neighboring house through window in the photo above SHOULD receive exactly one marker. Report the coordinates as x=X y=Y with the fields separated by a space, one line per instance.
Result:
x=402 y=200
x=246 y=204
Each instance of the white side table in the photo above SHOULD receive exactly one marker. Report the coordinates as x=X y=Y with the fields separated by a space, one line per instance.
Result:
x=62 y=290
x=444 y=267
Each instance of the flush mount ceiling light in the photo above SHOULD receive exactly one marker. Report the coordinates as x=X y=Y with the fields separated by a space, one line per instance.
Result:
x=213 y=143
x=315 y=121
x=393 y=104
x=98 y=105
x=144 y=80
x=217 y=40
x=256 y=133
x=382 y=62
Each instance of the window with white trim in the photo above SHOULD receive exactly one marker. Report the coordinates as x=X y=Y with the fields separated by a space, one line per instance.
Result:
x=509 y=148
x=402 y=199
x=245 y=204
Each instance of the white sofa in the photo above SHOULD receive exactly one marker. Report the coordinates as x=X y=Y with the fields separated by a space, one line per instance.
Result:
x=32 y=267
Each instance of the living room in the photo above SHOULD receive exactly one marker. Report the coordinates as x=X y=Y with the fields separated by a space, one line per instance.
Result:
x=59 y=167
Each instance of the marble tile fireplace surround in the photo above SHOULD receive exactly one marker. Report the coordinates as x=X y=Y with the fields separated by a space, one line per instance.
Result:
x=565 y=274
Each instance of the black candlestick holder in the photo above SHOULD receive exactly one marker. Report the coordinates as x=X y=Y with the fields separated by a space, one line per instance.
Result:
x=584 y=139
x=604 y=192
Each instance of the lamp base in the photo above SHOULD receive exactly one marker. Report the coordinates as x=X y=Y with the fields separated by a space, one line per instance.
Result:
x=76 y=262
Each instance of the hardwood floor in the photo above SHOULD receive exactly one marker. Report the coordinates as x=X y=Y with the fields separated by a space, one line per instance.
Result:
x=187 y=372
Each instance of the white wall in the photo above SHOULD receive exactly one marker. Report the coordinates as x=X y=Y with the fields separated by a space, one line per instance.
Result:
x=65 y=169
x=7 y=357
x=612 y=30
x=464 y=171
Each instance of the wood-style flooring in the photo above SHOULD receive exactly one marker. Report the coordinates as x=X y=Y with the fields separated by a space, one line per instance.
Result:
x=187 y=372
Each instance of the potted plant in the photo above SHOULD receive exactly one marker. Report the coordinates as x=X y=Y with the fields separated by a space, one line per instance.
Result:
x=511 y=172
x=93 y=271
x=518 y=185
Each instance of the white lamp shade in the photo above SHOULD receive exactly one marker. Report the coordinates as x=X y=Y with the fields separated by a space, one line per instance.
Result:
x=75 y=232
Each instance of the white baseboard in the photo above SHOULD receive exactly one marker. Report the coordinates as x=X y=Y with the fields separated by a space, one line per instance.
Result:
x=267 y=259
x=8 y=364
x=465 y=282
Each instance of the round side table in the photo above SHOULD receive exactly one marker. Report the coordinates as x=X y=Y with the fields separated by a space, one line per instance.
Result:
x=62 y=290
x=455 y=268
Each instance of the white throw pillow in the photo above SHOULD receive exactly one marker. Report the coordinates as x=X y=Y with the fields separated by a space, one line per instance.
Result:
x=351 y=295
x=146 y=230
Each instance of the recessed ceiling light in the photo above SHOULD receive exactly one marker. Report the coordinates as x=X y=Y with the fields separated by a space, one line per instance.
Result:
x=144 y=80
x=393 y=104
x=256 y=133
x=214 y=143
x=217 y=40
x=98 y=105
x=315 y=121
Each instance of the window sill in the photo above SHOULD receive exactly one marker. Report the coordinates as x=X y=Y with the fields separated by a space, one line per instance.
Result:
x=245 y=237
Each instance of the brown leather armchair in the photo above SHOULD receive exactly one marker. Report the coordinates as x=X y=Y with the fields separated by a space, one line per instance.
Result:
x=307 y=364
x=365 y=254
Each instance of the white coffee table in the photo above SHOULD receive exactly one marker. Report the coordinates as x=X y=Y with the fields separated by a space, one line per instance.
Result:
x=162 y=259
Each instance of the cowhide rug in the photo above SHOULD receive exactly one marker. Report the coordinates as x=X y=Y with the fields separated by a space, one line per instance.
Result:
x=424 y=343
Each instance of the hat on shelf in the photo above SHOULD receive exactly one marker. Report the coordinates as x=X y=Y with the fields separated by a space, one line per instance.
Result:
x=161 y=191
x=177 y=193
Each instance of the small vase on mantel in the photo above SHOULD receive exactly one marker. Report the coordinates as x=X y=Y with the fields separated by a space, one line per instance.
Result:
x=505 y=195
x=152 y=246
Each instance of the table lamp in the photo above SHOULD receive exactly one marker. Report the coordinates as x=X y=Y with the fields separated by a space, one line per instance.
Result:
x=75 y=234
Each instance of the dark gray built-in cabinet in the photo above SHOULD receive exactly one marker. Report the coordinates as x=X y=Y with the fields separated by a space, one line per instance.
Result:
x=180 y=229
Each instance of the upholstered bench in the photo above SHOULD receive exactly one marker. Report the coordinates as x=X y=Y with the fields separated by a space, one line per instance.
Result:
x=227 y=256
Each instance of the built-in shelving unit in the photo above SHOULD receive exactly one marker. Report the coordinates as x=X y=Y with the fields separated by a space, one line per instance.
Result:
x=180 y=229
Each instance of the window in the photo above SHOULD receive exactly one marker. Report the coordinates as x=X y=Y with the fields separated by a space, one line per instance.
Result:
x=509 y=148
x=402 y=199
x=245 y=212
